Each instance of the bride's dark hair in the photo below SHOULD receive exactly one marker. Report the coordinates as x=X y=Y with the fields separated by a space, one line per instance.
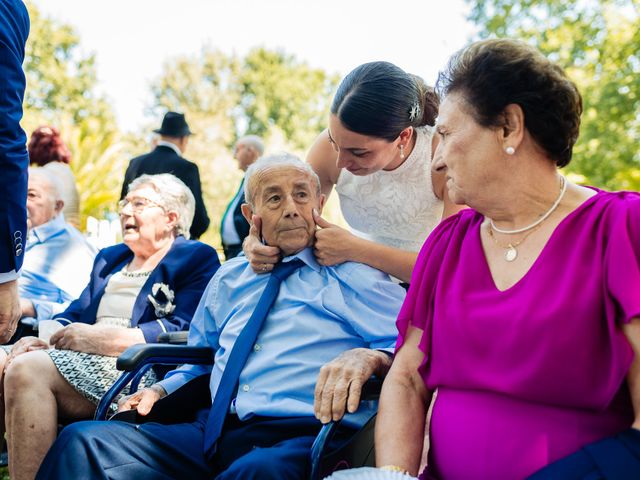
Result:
x=379 y=99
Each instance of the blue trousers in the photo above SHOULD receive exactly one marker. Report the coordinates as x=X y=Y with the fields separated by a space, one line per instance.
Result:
x=614 y=458
x=260 y=448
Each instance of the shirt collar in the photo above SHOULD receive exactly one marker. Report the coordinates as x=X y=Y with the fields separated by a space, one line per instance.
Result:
x=172 y=146
x=47 y=230
x=307 y=257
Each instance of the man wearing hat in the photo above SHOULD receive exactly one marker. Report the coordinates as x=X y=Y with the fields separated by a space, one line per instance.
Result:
x=167 y=158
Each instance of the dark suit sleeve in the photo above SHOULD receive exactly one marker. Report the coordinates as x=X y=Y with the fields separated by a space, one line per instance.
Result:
x=127 y=180
x=200 y=219
x=14 y=160
x=200 y=264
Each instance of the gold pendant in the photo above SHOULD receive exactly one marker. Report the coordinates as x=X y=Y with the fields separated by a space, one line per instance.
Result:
x=511 y=254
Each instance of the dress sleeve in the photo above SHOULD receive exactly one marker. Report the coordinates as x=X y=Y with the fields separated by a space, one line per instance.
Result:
x=417 y=309
x=623 y=261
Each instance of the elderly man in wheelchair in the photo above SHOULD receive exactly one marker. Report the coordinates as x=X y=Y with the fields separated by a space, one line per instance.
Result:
x=292 y=346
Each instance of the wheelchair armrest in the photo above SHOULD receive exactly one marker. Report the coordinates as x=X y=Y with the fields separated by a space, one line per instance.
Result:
x=361 y=420
x=135 y=359
x=145 y=353
x=174 y=338
x=371 y=390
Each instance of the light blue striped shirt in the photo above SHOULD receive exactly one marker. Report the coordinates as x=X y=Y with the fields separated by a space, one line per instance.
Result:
x=319 y=313
x=57 y=265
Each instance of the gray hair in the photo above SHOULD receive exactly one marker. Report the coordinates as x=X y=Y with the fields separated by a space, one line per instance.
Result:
x=175 y=196
x=252 y=141
x=282 y=159
x=54 y=184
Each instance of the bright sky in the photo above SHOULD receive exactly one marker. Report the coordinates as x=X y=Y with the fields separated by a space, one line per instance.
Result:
x=132 y=38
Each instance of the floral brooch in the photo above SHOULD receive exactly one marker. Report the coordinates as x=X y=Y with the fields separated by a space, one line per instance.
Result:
x=162 y=297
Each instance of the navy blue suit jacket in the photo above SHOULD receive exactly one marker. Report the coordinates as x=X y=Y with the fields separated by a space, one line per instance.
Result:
x=165 y=160
x=14 y=160
x=186 y=269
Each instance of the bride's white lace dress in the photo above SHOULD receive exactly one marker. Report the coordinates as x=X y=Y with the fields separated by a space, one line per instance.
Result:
x=396 y=208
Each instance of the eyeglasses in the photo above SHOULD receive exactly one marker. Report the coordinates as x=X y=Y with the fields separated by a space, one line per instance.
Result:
x=138 y=204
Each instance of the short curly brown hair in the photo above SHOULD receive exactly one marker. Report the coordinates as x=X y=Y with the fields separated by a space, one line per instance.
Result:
x=46 y=146
x=491 y=74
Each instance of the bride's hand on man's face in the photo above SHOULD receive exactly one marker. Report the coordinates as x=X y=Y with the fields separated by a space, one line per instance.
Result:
x=333 y=243
x=261 y=257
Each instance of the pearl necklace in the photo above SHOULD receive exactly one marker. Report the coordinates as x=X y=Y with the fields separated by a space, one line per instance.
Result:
x=511 y=252
x=563 y=189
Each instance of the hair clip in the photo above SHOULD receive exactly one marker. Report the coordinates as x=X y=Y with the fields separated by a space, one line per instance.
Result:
x=415 y=112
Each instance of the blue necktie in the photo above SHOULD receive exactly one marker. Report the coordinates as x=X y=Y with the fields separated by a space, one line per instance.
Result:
x=239 y=354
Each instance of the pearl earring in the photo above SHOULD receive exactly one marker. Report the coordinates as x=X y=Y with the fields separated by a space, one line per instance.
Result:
x=401 y=152
x=510 y=150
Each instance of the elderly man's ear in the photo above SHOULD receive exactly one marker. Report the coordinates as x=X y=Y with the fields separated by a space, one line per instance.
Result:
x=247 y=212
x=59 y=206
x=321 y=202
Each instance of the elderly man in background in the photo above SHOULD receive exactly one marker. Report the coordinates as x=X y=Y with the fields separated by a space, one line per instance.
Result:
x=234 y=227
x=292 y=345
x=58 y=258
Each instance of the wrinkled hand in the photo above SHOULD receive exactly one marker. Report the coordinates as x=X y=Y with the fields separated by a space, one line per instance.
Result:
x=340 y=382
x=26 y=344
x=10 y=310
x=143 y=400
x=261 y=257
x=333 y=244
x=80 y=337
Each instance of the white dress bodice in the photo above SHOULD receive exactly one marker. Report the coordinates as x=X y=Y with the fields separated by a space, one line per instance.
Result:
x=396 y=208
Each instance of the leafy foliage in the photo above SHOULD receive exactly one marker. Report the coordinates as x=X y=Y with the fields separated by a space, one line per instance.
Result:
x=62 y=91
x=598 y=43
x=266 y=93
x=278 y=90
x=60 y=80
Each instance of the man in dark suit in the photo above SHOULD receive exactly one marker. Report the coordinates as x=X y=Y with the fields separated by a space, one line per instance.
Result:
x=14 y=160
x=234 y=227
x=167 y=158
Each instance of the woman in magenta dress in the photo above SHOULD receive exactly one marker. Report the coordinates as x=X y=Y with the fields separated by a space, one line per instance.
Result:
x=524 y=310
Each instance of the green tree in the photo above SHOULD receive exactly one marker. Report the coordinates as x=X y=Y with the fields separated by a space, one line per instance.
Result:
x=278 y=90
x=266 y=93
x=598 y=43
x=60 y=80
x=62 y=91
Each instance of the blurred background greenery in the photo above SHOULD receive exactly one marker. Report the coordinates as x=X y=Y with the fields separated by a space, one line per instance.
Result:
x=273 y=94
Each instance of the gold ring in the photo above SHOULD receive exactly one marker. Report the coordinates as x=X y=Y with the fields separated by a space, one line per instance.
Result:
x=264 y=267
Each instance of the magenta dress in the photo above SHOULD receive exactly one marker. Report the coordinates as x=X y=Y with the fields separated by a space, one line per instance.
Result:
x=531 y=374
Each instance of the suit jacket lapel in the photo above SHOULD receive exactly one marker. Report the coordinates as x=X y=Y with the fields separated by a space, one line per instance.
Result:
x=143 y=309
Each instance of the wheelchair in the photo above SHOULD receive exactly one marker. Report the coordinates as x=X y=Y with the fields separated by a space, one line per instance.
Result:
x=326 y=456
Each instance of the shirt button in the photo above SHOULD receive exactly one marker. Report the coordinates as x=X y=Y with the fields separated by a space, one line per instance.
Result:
x=257 y=347
x=245 y=388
